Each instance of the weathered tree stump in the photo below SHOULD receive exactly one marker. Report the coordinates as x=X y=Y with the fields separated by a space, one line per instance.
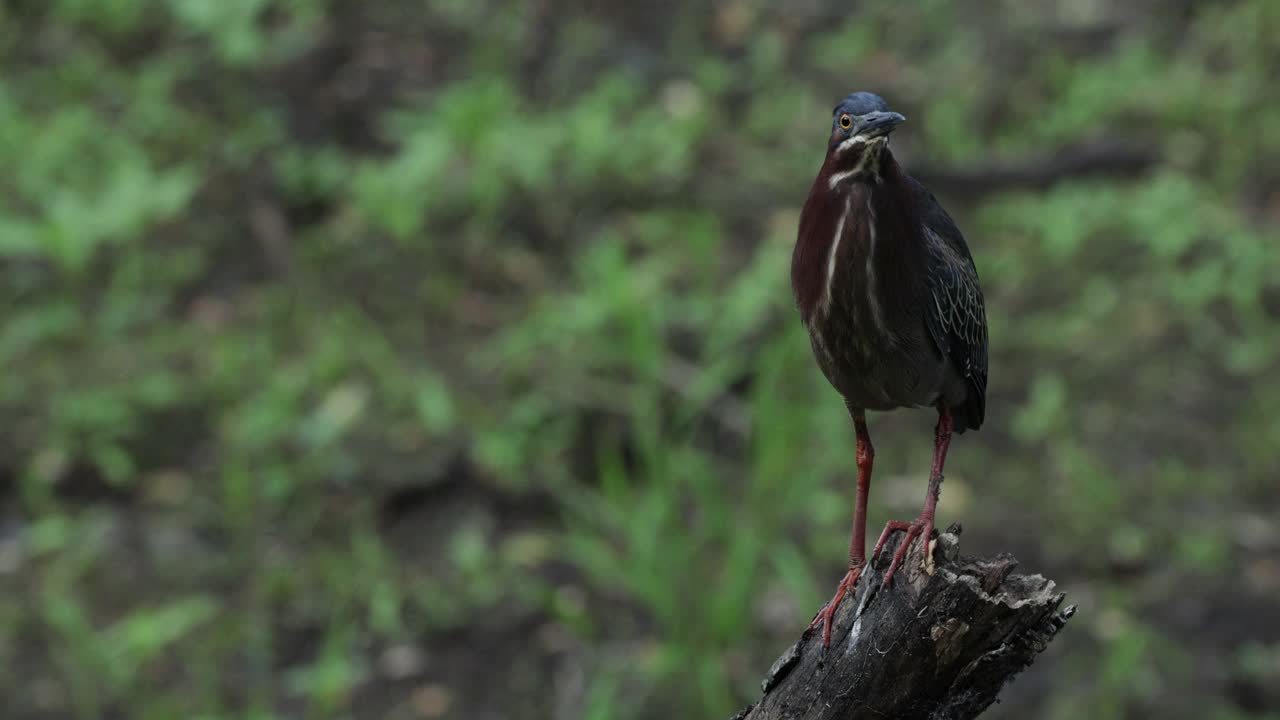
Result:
x=937 y=646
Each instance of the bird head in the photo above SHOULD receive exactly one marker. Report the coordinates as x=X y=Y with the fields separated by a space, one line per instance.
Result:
x=860 y=127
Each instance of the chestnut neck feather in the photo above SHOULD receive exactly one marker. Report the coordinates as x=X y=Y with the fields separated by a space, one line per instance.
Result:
x=876 y=194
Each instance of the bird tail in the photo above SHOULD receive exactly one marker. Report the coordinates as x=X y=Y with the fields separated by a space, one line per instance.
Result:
x=970 y=414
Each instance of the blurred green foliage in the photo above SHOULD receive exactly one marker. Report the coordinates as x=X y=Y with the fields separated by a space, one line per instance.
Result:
x=391 y=359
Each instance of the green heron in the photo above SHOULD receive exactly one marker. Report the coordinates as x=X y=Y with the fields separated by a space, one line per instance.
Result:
x=888 y=291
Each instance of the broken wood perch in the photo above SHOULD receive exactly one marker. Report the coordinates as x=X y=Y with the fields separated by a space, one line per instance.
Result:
x=937 y=646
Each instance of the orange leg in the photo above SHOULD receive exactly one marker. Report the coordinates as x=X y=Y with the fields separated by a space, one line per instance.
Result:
x=858 y=539
x=922 y=526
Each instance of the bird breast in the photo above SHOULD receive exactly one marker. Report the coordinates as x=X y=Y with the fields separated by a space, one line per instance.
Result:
x=856 y=288
x=837 y=254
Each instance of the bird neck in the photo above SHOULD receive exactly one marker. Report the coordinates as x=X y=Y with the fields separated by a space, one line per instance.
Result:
x=852 y=218
x=858 y=160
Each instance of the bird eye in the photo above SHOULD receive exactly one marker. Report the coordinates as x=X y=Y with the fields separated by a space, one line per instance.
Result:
x=846 y=122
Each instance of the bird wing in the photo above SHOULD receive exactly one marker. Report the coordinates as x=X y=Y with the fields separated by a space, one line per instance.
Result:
x=956 y=317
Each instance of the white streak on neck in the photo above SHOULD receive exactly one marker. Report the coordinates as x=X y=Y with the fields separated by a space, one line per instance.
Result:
x=841 y=177
x=868 y=163
x=855 y=140
x=831 y=259
x=877 y=316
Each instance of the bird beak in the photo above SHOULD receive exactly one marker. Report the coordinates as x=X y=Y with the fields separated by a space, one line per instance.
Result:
x=875 y=124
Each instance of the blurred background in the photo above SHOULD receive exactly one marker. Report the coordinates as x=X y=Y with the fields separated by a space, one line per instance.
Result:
x=437 y=359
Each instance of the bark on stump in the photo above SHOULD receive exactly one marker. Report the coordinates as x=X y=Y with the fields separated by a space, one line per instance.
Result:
x=937 y=646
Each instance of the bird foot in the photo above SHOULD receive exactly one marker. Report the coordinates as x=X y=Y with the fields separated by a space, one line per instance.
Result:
x=921 y=527
x=826 y=616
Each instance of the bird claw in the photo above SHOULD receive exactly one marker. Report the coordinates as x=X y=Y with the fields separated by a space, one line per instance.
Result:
x=920 y=527
x=826 y=616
